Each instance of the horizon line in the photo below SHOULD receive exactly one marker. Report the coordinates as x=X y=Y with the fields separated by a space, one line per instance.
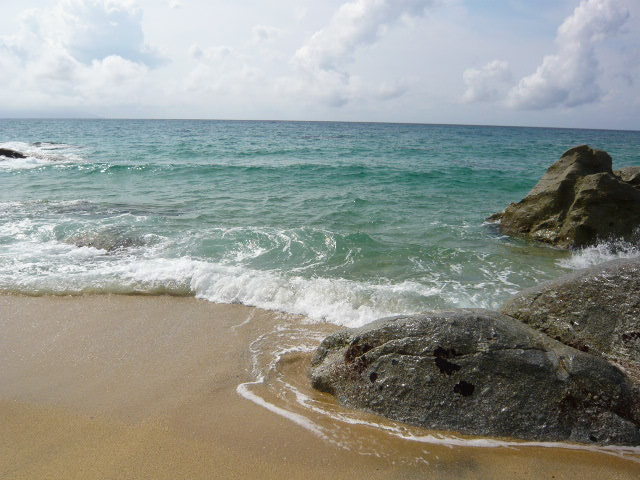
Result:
x=374 y=122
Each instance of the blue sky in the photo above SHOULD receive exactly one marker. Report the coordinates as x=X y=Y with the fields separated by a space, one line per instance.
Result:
x=573 y=63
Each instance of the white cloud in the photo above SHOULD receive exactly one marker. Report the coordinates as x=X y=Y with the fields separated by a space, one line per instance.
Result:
x=322 y=60
x=355 y=24
x=114 y=74
x=93 y=29
x=488 y=83
x=77 y=52
x=570 y=77
x=374 y=59
x=318 y=72
x=97 y=29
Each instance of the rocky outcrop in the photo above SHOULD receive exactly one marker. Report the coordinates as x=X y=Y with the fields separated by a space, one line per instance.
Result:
x=478 y=372
x=631 y=175
x=560 y=362
x=595 y=310
x=578 y=202
x=8 y=153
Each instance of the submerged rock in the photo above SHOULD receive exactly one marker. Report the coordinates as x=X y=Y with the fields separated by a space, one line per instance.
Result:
x=578 y=202
x=596 y=309
x=110 y=240
x=478 y=372
x=7 y=152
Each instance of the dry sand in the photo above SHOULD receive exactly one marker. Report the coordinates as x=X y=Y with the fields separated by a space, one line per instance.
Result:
x=125 y=387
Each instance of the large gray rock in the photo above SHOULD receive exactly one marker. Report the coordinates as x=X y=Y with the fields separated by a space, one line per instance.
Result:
x=8 y=153
x=596 y=309
x=578 y=202
x=478 y=372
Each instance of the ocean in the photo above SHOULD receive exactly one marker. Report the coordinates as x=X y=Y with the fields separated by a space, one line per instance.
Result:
x=339 y=222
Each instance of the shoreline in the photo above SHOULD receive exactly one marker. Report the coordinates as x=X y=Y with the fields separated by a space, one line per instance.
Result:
x=126 y=386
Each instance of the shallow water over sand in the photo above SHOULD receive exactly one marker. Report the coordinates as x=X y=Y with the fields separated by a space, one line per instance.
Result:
x=280 y=364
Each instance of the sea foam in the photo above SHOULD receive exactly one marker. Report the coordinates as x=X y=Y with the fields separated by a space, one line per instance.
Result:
x=600 y=253
x=39 y=154
x=76 y=247
x=39 y=264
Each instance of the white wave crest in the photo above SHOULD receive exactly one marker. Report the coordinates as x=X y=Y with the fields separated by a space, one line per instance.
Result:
x=600 y=253
x=39 y=155
x=36 y=265
x=340 y=301
x=41 y=257
x=34 y=261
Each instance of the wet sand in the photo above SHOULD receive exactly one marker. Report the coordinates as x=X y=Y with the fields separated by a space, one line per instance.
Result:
x=133 y=387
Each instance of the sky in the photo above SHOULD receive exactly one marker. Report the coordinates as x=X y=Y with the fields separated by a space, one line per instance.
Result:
x=558 y=63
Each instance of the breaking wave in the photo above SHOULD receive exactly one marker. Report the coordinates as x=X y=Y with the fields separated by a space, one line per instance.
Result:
x=40 y=154
x=600 y=253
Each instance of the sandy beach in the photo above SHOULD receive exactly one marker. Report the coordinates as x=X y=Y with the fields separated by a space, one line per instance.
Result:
x=133 y=387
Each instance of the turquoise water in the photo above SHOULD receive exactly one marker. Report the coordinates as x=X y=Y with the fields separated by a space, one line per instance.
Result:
x=343 y=222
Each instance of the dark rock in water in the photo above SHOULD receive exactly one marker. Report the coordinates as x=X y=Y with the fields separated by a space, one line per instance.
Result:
x=110 y=240
x=596 y=309
x=478 y=372
x=578 y=202
x=6 y=152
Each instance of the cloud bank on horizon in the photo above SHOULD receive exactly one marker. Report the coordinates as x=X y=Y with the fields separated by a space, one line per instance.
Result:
x=395 y=60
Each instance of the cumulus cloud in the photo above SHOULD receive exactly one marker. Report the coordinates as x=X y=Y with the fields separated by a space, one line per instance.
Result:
x=109 y=72
x=82 y=51
x=95 y=29
x=356 y=23
x=319 y=68
x=488 y=83
x=88 y=30
x=323 y=58
x=570 y=77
